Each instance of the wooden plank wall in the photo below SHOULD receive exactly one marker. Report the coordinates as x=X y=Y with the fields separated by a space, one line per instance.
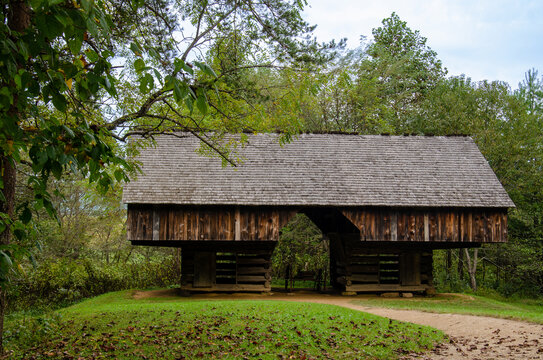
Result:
x=436 y=225
x=206 y=223
x=232 y=271
x=264 y=223
x=356 y=268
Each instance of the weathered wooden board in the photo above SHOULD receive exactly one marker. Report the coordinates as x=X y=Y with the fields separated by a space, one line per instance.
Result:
x=204 y=269
x=410 y=268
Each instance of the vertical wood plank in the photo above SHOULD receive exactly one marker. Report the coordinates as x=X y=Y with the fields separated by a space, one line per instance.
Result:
x=394 y=226
x=419 y=226
x=386 y=225
x=410 y=268
x=237 y=222
x=461 y=227
x=470 y=226
x=432 y=217
x=204 y=269
x=363 y=225
x=129 y=223
x=411 y=227
x=402 y=227
x=156 y=225
x=378 y=225
x=504 y=227
x=426 y=227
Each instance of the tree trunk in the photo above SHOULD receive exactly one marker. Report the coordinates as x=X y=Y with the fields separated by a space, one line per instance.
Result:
x=460 y=264
x=19 y=18
x=9 y=177
x=472 y=268
x=448 y=264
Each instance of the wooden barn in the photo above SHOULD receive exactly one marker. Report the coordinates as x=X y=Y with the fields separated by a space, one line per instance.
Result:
x=384 y=202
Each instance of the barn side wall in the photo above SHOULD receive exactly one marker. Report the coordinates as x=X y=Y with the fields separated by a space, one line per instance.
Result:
x=190 y=223
x=464 y=225
x=246 y=223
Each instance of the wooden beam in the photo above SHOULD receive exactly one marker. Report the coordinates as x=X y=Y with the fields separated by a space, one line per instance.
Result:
x=384 y=288
x=229 y=287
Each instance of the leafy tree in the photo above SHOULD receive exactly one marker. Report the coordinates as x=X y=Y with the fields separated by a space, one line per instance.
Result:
x=301 y=247
x=67 y=91
x=531 y=91
x=403 y=70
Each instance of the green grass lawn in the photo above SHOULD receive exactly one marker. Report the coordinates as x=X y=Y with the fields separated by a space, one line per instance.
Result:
x=117 y=326
x=525 y=310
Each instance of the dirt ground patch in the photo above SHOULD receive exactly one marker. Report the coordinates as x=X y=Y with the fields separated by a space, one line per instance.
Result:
x=471 y=337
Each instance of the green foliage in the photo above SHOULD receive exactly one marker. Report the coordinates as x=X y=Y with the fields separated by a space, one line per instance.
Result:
x=397 y=85
x=301 y=247
x=403 y=70
x=122 y=327
x=25 y=330
x=57 y=282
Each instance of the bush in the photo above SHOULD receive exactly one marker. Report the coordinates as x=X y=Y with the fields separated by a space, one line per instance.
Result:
x=62 y=281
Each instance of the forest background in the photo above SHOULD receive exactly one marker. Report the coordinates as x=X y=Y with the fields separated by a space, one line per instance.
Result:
x=244 y=69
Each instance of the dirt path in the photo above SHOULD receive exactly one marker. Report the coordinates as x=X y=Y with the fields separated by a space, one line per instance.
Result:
x=472 y=337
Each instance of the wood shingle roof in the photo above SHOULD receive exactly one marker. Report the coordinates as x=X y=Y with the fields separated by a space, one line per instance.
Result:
x=321 y=170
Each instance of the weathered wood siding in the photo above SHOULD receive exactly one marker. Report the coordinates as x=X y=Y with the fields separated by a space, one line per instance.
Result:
x=434 y=225
x=206 y=223
x=355 y=267
x=264 y=223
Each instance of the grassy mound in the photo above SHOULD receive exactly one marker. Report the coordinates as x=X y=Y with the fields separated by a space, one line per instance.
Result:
x=118 y=326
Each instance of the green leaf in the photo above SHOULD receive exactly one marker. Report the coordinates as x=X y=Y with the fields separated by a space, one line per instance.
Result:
x=136 y=49
x=119 y=175
x=56 y=169
x=154 y=54
x=158 y=75
x=201 y=103
x=68 y=131
x=139 y=65
x=51 y=152
x=206 y=69
x=147 y=83
x=18 y=81
x=75 y=43
x=59 y=101
x=5 y=258
x=86 y=5
x=181 y=65
x=189 y=101
x=180 y=90
x=42 y=158
x=92 y=55
x=138 y=3
x=26 y=215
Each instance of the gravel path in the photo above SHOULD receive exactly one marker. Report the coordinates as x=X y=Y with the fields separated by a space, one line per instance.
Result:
x=471 y=337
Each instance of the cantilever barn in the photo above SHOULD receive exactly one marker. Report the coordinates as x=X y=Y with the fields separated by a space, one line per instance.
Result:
x=384 y=202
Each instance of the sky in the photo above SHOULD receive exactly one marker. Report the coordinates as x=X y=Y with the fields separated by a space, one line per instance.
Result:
x=483 y=39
